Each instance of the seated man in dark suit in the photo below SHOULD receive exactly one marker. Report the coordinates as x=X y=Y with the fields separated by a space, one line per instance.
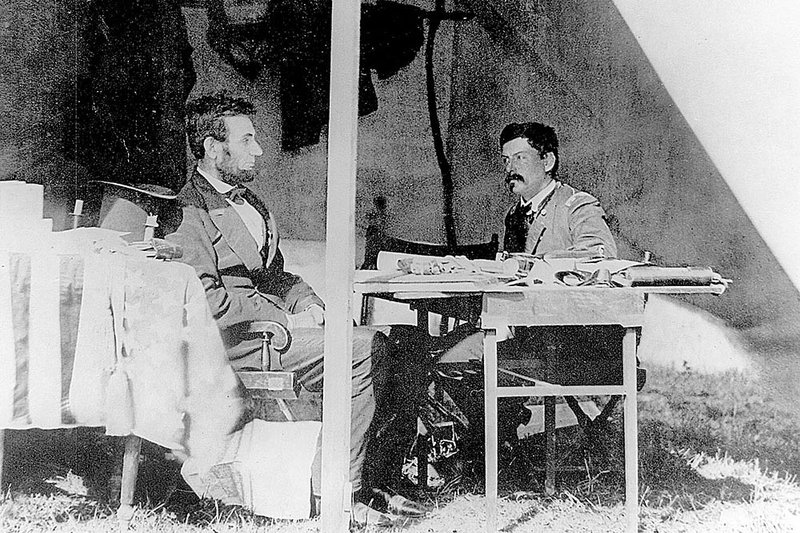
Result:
x=230 y=238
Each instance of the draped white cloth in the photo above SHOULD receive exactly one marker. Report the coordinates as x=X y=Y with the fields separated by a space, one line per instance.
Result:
x=102 y=338
x=105 y=339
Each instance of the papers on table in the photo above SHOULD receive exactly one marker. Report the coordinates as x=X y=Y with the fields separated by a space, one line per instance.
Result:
x=450 y=277
x=83 y=240
x=525 y=270
x=613 y=266
x=507 y=268
x=411 y=268
x=548 y=270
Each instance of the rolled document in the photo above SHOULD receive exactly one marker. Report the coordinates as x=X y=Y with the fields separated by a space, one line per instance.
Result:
x=667 y=276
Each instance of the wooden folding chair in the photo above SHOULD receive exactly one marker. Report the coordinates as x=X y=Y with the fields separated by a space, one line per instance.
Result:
x=458 y=312
x=377 y=242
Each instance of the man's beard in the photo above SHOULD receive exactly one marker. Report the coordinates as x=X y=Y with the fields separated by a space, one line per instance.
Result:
x=237 y=176
x=230 y=173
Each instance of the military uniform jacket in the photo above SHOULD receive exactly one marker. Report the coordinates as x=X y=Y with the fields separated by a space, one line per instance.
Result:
x=566 y=220
x=242 y=283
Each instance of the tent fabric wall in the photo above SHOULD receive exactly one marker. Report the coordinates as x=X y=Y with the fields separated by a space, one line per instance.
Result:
x=79 y=103
x=575 y=65
x=395 y=150
x=36 y=40
x=733 y=70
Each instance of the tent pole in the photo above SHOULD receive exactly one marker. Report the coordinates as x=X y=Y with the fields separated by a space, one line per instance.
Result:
x=339 y=264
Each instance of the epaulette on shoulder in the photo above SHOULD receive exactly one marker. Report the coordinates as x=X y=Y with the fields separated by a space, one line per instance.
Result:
x=580 y=198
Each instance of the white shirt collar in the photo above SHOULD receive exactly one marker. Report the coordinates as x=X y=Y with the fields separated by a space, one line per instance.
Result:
x=252 y=219
x=218 y=184
x=537 y=199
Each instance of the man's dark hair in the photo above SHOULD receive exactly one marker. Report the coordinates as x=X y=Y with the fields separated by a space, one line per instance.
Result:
x=205 y=117
x=541 y=137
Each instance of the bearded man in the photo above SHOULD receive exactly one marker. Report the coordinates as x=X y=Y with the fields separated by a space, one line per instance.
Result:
x=230 y=238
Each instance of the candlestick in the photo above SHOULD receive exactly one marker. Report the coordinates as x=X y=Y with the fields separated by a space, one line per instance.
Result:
x=149 y=226
x=77 y=214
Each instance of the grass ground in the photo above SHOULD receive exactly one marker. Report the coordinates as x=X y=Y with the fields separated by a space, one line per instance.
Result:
x=717 y=453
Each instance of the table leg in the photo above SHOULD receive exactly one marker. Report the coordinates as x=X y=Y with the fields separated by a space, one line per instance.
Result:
x=550 y=428
x=631 y=432
x=130 y=469
x=550 y=445
x=490 y=417
x=423 y=326
x=423 y=322
x=2 y=456
x=423 y=449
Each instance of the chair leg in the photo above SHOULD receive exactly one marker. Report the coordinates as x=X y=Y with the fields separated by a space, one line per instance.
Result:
x=589 y=426
x=366 y=310
x=130 y=469
x=583 y=418
x=608 y=409
x=284 y=407
x=422 y=464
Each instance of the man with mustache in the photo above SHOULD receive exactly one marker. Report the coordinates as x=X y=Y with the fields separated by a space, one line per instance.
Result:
x=230 y=238
x=550 y=216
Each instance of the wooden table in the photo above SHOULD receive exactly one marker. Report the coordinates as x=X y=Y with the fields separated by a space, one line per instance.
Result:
x=543 y=305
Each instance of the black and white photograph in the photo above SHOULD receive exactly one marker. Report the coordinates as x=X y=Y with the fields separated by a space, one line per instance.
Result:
x=403 y=266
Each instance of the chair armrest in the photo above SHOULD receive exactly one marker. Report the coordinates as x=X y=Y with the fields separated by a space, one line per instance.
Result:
x=278 y=335
x=271 y=381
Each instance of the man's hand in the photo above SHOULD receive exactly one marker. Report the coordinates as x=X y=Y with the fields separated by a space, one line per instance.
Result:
x=318 y=313
x=312 y=317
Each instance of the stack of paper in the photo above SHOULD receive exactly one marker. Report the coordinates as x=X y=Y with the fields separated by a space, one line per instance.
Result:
x=21 y=209
x=417 y=268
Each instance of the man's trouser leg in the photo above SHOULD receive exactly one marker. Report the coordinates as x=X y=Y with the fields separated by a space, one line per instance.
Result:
x=369 y=358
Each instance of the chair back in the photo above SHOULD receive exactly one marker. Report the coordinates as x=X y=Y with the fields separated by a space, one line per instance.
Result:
x=376 y=243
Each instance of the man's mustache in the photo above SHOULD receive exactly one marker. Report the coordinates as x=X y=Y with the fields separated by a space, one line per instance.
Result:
x=513 y=177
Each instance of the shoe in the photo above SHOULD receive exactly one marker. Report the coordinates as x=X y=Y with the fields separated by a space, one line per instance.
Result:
x=396 y=504
x=362 y=515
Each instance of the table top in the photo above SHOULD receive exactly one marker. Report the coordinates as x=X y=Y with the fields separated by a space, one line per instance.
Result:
x=407 y=287
x=500 y=304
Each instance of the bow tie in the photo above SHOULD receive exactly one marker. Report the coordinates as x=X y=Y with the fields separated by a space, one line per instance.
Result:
x=236 y=195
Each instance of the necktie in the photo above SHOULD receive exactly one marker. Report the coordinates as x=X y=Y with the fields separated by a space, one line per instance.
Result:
x=529 y=211
x=236 y=195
